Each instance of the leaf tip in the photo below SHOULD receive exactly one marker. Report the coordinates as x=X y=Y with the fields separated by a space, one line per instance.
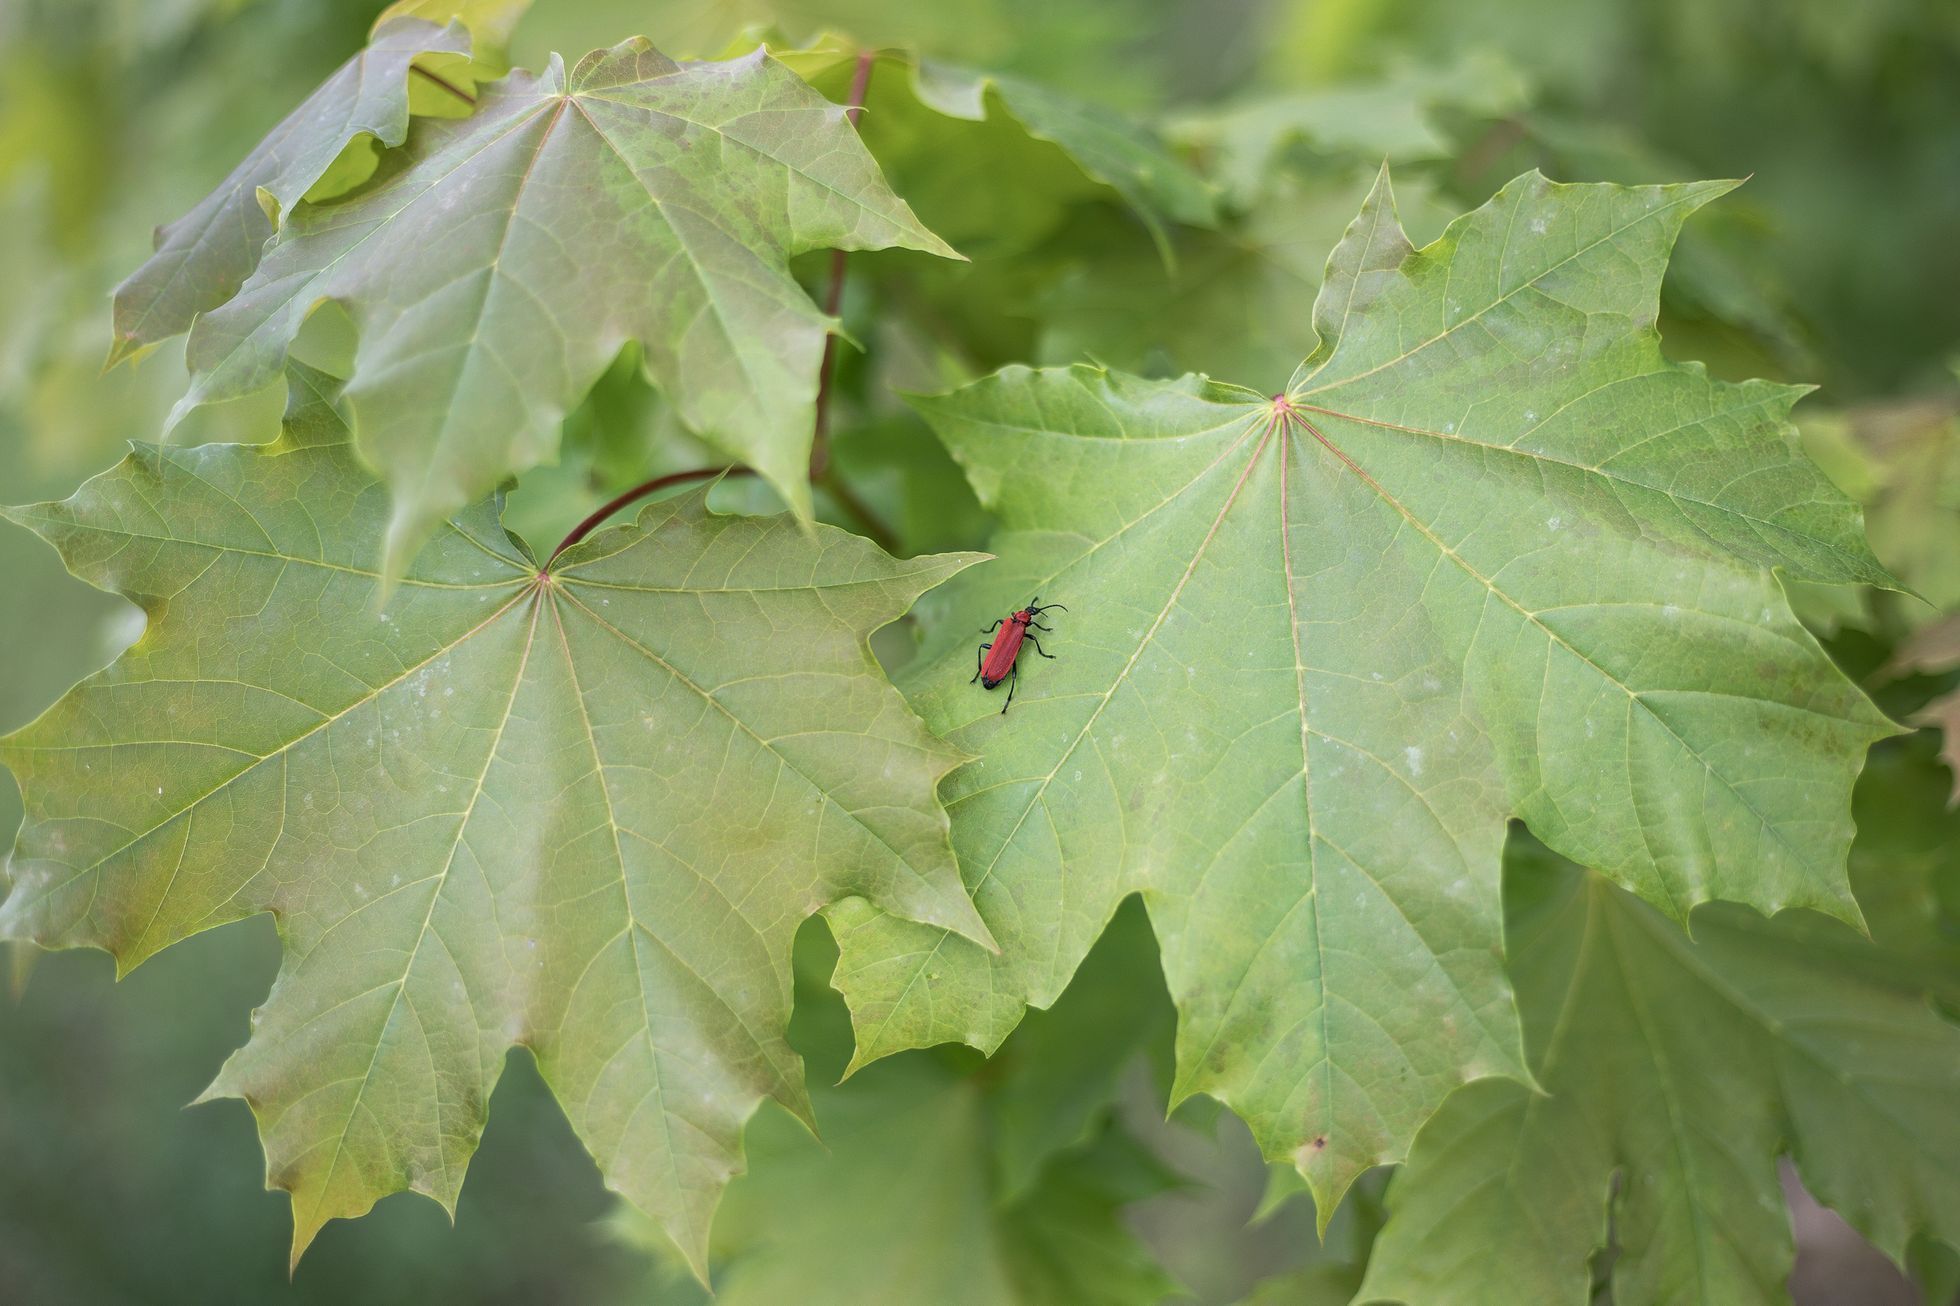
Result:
x=964 y=919
x=184 y=407
x=928 y=241
x=860 y=1058
x=302 y=1239
x=1837 y=902
x=692 y=1244
x=935 y=569
x=21 y=959
x=407 y=531
x=125 y=348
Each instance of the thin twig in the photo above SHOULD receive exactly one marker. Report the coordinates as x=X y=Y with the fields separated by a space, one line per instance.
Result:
x=638 y=492
x=833 y=299
x=875 y=529
x=445 y=84
x=1497 y=140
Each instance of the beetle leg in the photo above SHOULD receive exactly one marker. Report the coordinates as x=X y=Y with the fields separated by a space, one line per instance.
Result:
x=996 y=626
x=979 y=657
x=1038 y=626
x=1013 y=679
x=1044 y=652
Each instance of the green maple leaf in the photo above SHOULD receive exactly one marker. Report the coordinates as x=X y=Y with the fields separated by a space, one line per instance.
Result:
x=1392 y=117
x=946 y=133
x=906 y=1152
x=1127 y=311
x=490 y=24
x=202 y=258
x=1110 y=148
x=582 y=810
x=496 y=270
x=1905 y=864
x=996 y=1184
x=1490 y=555
x=1685 y=1066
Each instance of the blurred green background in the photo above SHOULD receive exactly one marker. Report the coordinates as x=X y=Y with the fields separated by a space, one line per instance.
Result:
x=1836 y=264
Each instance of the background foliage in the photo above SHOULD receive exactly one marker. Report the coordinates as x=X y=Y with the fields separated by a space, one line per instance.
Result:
x=1056 y=1177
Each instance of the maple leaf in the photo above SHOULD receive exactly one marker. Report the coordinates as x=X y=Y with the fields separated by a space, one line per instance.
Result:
x=202 y=258
x=1136 y=316
x=1934 y=649
x=490 y=24
x=1489 y=555
x=1686 y=1067
x=1109 y=148
x=1943 y=714
x=498 y=268
x=1392 y=117
x=581 y=809
x=1004 y=1187
x=1057 y=146
x=1905 y=865
x=1902 y=461
x=906 y=1152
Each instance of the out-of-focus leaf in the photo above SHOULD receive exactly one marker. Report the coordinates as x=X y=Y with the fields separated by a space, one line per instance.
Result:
x=581 y=809
x=1930 y=649
x=1912 y=455
x=925 y=124
x=1905 y=865
x=1392 y=118
x=1490 y=555
x=1825 y=106
x=1121 y=307
x=1111 y=148
x=1943 y=714
x=1723 y=287
x=203 y=257
x=1283 y=1184
x=1217 y=1231
x=1685 y=1067
x=446 y=82
x=489 y=22
x=173 y=1212
x=902 y=474
x=495 y=274
x=1057 y=1076
x=943 y=1179
x=100 y=136
x=1020 y=237
x=897 y=1205
x=1935 y=649
x=1936 y=1270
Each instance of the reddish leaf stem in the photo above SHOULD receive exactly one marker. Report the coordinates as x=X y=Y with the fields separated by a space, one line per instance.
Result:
x=598 y=515
x=874 y=530
x=820 y=438
x=833 y=298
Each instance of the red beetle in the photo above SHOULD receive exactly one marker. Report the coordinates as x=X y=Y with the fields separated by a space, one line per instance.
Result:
x=1000 y=660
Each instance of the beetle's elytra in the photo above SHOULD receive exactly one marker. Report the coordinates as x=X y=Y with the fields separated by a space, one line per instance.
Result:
x=1000 y=660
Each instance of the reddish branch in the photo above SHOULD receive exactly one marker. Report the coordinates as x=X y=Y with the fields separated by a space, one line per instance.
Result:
x=444 y=83
x=598 y=515
x=820 y=438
